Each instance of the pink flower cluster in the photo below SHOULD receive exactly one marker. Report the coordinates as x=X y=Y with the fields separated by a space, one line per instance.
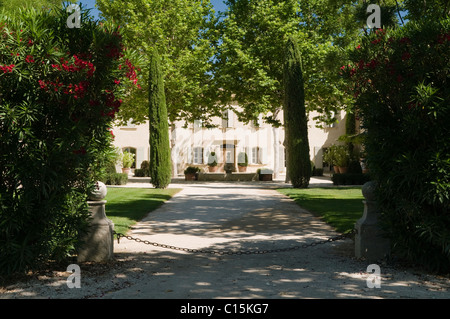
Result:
x=131 y=73
x=113 y=104
x=7 y=68
x=29 y=59
x=78 y=65
x=78 y=90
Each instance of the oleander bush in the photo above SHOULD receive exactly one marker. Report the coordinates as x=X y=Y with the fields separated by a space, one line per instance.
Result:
x=400 y=82
x=60 y=89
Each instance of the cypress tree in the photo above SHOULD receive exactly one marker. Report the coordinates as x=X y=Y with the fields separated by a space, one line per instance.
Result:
x=295 y=120
x=160 y=162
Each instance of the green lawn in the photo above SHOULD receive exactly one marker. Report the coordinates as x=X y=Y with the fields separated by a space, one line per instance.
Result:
x=339 y=207
x=126 y=206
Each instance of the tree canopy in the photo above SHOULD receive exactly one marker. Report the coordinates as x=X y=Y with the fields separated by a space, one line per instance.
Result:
x=250 y=58
x=182 y=31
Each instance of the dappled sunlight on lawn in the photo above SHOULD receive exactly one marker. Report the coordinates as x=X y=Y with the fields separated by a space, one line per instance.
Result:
x=340 y=207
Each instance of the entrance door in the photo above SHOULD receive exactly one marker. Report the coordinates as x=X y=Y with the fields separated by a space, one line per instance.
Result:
x=229 y=153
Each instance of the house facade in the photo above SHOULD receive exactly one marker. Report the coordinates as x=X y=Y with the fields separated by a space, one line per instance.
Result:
x=196 y=145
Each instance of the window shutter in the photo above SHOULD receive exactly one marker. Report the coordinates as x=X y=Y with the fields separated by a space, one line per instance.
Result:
x=230 y=118
x=139 y=156
x=262 y=155
x=189 y=155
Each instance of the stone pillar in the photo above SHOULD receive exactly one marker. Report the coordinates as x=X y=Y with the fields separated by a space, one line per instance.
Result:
x=369 y=241
x=98 y=243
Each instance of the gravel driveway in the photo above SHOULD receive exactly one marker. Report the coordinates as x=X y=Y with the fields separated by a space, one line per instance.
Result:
x=225 y=216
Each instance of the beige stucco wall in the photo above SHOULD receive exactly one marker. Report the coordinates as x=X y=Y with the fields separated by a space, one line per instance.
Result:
x=238 y=138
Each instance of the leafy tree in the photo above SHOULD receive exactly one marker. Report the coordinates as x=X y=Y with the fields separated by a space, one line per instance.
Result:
x=296 y=121
x=250 y=58
x=160 y=163
x=182 y=31
x=428 y=10
x=249 y=64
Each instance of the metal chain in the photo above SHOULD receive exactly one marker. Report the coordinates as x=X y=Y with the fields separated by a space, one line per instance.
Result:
x=237 y=252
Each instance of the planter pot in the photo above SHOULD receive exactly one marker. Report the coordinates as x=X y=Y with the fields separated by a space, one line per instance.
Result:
x=336 y=169
x=126 y=170
x=242 y=169
x=343 y=170
x=212 y=169
x=190 y=177
x=265 y=177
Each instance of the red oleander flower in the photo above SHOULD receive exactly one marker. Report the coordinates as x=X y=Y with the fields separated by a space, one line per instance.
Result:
x=29 y=59
x=361 y=64
x=81 y=151
x=7 y=68
x=406 y=56
x=405 y=40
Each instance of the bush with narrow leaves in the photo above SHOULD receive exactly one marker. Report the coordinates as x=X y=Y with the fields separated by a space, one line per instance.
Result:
x=60 y=89
x=400 y=82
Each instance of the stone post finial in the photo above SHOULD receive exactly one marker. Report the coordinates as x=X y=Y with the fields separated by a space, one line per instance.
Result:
x=369 y=241
x=98 y=241
x=99 y=192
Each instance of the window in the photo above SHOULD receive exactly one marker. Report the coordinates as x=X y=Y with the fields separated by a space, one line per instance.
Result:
x=198 y=124
x=227 y=119
x=198 y=155
x=255 y=155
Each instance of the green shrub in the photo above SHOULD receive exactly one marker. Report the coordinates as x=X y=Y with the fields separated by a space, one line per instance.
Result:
x=192 y=170
x=115 y=179
x=144 y=171
x=317 y=172
x=400 y=82
x=350 y=179
x=354 y=167
x=59 y=93
x=243 y=159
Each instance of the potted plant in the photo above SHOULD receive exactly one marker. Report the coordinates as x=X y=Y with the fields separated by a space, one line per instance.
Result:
x=242 y=162
x=342 y=158
x=190 y=173
x=127 y=160
x=330 y=157
x=212 y=162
